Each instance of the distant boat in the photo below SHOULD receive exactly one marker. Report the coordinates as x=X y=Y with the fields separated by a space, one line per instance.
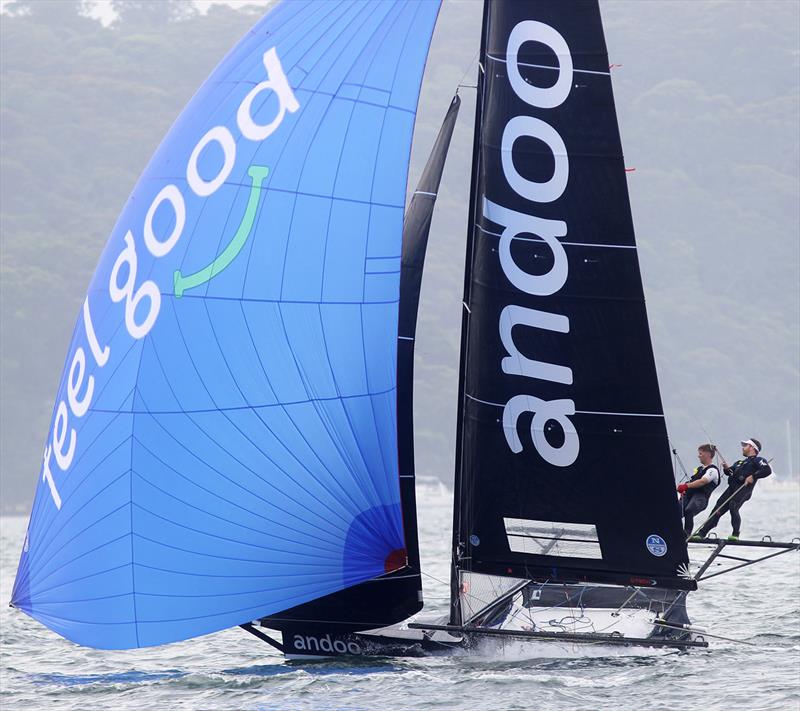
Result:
x=232 y=440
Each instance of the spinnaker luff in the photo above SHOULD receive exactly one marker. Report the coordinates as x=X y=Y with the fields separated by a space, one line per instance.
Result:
x=224 y=440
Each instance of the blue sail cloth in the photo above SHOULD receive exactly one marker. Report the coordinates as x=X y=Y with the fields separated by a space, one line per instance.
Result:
x=223 y=444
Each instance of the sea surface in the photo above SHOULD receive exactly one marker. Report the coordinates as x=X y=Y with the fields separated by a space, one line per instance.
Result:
x=758 y=606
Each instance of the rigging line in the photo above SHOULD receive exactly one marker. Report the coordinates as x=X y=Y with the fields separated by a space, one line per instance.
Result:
x=679 y=460
x=433 y=577
x=699 y=631
x=485 y=603
x=469 y=66
x=711 y=440
x=630 y=597
x=694 y=533
x=713 y=513
x=566 y=602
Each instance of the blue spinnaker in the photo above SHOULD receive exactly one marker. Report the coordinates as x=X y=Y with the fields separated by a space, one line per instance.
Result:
x=223 y=444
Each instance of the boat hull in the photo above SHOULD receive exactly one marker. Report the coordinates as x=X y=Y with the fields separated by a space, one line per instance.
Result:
x=548 y=615
x=314 y=643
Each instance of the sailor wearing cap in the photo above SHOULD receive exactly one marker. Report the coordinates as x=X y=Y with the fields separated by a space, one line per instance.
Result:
x=742 y=476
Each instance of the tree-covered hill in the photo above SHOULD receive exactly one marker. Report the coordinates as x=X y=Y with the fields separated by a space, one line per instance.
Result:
x=708 y=99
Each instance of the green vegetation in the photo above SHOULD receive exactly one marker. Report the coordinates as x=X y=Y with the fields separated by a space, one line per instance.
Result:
x=708 y=103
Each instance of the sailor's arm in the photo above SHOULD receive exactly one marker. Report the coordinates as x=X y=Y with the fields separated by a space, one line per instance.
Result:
x=707 y=478
x=763 y=471
x=730 y=468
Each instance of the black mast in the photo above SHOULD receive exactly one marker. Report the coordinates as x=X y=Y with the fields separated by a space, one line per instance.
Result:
x=461 y=494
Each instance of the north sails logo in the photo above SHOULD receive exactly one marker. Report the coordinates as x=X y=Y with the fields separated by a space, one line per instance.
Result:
x=138 y=320
x=516 y=224
x=656 y=545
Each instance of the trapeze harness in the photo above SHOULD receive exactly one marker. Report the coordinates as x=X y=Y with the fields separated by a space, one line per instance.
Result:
x=706 y=490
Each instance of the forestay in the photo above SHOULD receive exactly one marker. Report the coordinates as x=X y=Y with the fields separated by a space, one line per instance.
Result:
x=224 y=443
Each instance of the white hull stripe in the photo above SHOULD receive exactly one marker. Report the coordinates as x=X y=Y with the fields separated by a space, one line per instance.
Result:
x=422 y=192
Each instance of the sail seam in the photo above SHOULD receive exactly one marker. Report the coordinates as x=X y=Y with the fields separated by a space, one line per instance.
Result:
x=229 y=501
x=235 y=408
x=268 y=482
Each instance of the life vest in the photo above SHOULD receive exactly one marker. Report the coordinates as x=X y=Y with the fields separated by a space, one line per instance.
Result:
x=743 y=468
x=706 y=490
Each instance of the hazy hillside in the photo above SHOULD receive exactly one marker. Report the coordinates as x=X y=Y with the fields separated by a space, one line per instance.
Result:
x=708 y=100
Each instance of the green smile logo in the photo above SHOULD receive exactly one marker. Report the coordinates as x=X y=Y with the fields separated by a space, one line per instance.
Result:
x=224 y=258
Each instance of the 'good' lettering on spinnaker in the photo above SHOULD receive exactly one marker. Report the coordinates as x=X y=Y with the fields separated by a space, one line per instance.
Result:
x=122 y=287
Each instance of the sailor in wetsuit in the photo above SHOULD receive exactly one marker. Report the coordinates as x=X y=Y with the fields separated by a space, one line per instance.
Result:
x=696 y=492
x=742 y=477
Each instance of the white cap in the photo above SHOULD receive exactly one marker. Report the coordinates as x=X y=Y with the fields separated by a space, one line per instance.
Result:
x=754 y=443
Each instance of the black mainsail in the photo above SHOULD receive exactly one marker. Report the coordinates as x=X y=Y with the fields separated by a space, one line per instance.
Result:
x=562 y=466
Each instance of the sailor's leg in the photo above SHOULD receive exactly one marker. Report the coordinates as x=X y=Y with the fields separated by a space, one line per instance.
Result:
x=736 y=503
x=688 y=517
x=688 y=523
x=736 y=519
x=718 y=512
x=692 y=506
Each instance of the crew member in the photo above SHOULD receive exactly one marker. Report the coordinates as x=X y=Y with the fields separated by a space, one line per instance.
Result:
x=742 y=477
x=696 y=492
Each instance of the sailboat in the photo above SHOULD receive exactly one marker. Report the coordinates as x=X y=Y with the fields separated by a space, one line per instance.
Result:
x=232 y=438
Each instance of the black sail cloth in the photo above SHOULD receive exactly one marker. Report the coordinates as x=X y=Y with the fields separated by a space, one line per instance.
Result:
x=563 y=470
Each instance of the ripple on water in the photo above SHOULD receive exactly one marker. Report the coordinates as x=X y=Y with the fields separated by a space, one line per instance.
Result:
x=231 y=670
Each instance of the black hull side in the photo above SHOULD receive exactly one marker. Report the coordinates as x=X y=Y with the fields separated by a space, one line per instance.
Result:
x=354 y=609
x=303 y=642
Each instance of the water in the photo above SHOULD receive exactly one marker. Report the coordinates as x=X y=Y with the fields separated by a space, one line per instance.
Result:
x=232 y=670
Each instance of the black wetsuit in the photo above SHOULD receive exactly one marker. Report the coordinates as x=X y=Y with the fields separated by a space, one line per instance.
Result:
x=735 y=495
x=696 y=500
